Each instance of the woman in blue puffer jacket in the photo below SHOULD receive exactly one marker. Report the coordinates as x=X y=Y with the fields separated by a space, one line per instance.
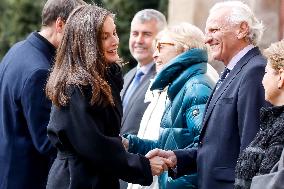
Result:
x=190 y=81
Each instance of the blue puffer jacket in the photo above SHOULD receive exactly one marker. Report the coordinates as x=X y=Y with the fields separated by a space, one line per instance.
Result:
x=189 y=87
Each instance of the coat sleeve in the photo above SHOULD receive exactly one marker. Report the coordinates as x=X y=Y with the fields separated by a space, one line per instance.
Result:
x=36 y=109
x=140 y=146
x=186 y=162
x=104 y=153
x=250 y=100
x=196 y=99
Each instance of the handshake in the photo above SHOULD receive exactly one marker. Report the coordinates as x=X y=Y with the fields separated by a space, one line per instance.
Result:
x=161 y=160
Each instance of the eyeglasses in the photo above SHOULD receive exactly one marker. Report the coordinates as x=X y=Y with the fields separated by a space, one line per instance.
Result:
x=160 y=44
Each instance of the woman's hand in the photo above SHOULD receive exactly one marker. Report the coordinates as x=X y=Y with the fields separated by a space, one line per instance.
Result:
x=125 y=143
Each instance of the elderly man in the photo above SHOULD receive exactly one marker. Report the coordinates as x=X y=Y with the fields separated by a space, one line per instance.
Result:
x=232 y=113
x=25 y=151
x=144 y=27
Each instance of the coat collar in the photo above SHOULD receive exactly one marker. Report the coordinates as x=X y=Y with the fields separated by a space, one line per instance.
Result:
x=176 y=73
x=42 y=45
x=270 y=114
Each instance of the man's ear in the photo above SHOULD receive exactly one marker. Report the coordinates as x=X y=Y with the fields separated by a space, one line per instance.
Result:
x=59 y=25
x=243 y=30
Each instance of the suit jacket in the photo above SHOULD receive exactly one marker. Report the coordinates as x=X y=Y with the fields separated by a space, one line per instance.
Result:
x=273 y=180
x=230 y=123
x=25 y=151
x=136 y=106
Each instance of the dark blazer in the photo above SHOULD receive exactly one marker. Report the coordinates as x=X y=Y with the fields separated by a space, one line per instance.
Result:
x=230 y=123
x=90 y=151
x=25 y=151
x=135 y=107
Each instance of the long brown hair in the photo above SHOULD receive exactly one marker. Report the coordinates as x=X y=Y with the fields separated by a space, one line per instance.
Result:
x=79 y=59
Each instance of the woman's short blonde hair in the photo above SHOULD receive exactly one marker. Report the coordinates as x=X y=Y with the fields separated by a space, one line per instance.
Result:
x=275 y=55
x=186 y=36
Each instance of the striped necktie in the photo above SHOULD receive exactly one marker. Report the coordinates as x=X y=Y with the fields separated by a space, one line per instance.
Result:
x=135 y=83
x=222 y=77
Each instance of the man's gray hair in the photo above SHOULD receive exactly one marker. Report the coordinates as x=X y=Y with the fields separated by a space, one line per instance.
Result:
x=240 y=12
x=146 y=15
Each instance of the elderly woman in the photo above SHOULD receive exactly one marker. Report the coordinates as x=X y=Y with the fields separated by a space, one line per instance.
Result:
x=265 y=150
x=189 y=80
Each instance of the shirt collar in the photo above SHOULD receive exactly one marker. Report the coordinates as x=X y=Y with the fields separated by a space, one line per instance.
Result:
x=238 y=56
x=145 y=68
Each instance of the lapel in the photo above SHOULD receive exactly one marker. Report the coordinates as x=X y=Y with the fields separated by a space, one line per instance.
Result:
x=226 y=84
x=141 y=89
x=127 y=80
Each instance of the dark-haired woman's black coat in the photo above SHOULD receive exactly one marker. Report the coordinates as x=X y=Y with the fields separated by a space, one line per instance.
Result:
x=90 y=152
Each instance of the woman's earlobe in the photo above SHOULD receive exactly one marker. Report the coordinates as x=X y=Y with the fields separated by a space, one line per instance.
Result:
x=281 y=79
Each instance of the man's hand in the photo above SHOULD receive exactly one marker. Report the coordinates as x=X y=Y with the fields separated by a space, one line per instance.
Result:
x=169 y=155
x=159 y=165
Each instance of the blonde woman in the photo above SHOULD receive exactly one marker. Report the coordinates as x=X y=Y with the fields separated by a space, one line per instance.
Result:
x=189 y=80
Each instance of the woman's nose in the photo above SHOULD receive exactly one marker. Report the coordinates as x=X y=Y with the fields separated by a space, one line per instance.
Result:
x=155 y=55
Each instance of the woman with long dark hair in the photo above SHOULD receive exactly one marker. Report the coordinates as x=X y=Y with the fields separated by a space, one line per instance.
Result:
x=84 y=87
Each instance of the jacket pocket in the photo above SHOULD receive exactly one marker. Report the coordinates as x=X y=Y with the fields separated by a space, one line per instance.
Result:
x=224 y=174
x=225 y=101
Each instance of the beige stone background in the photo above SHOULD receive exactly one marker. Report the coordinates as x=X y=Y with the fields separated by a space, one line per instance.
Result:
x=271 y=12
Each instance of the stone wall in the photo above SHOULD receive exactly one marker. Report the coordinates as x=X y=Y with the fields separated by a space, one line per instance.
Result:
x=196 y=12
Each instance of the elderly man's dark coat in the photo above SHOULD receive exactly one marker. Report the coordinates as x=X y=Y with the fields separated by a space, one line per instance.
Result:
x=230 y=123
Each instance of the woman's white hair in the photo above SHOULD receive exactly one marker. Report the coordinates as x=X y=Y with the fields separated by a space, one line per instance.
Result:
x=240 y=12
x=186 y=36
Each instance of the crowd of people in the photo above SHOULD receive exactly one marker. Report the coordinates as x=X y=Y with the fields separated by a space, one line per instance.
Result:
x=70 y=120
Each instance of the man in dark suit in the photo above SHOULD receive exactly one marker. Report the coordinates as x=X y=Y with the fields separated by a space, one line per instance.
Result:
x=231 y=120
x=144 y=27
x=25 y=151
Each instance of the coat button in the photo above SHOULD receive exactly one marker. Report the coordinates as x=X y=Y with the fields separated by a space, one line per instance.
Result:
x=195 y=112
